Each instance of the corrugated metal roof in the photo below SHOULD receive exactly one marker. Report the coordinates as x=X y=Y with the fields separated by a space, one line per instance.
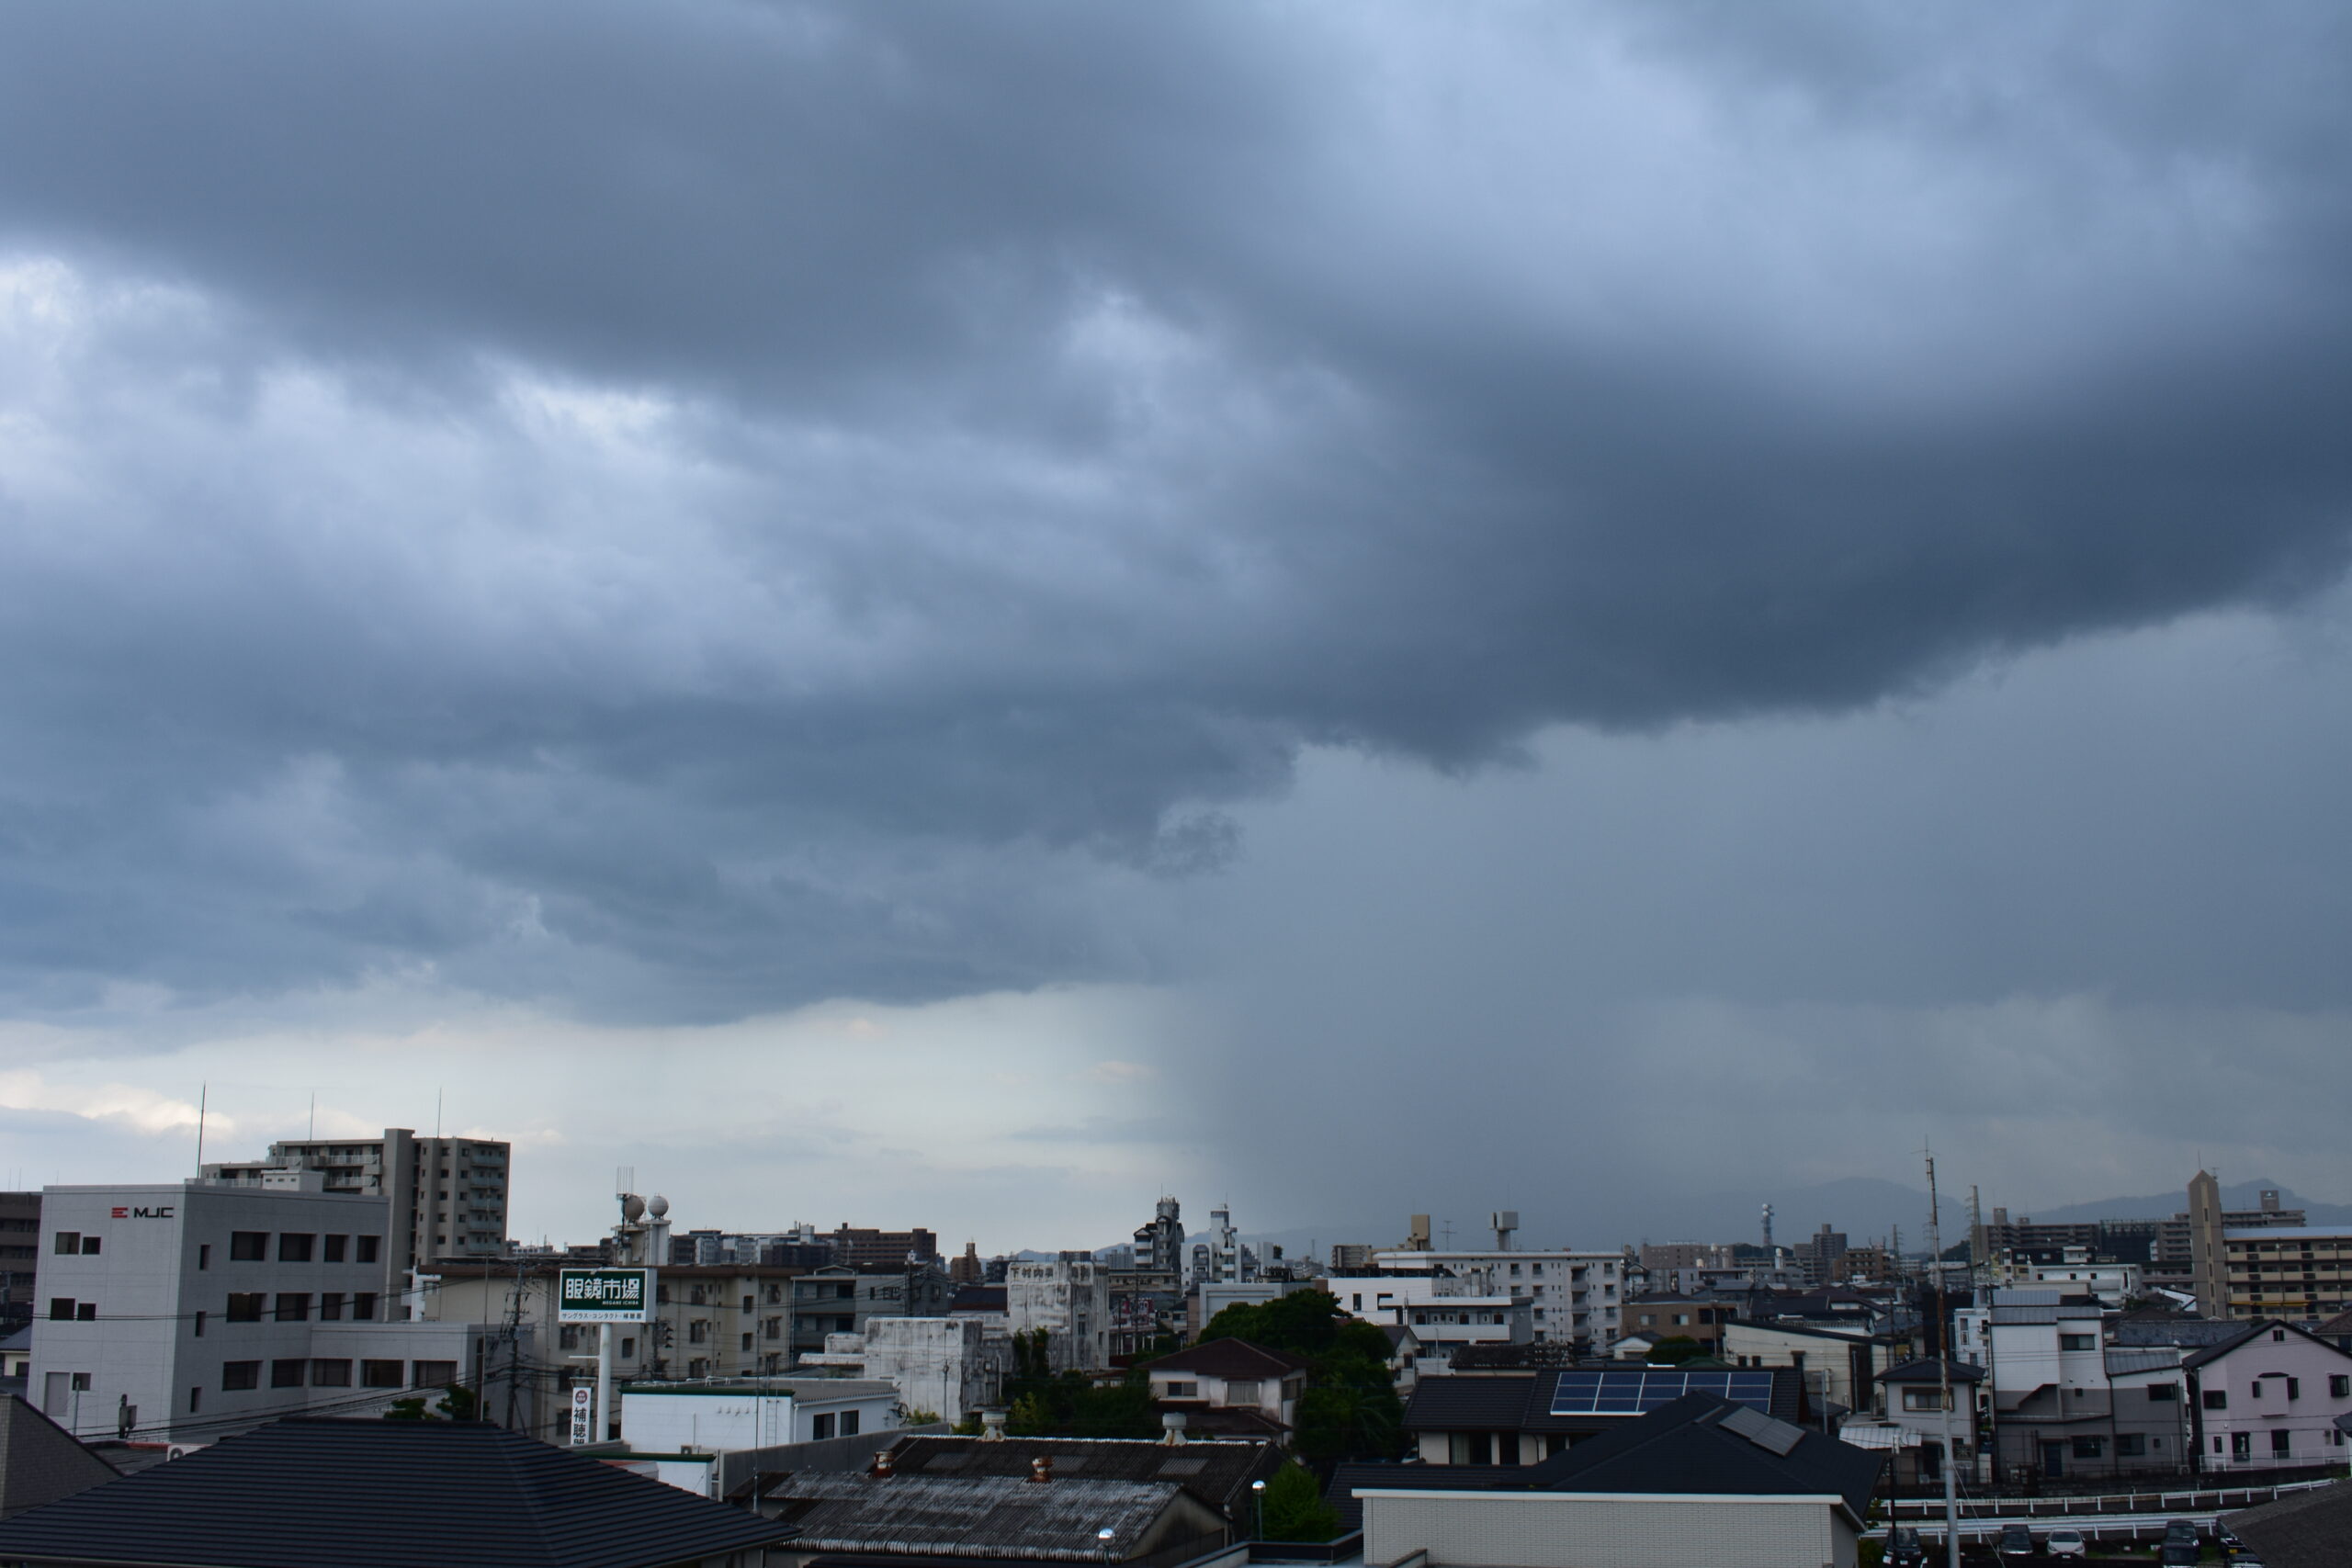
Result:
x=2123 y=1363
x=988 y=1515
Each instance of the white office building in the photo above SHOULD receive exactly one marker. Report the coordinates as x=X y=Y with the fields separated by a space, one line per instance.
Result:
x=177 y=1311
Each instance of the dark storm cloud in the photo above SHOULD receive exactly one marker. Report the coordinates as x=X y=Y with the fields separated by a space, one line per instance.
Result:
x=698 y=508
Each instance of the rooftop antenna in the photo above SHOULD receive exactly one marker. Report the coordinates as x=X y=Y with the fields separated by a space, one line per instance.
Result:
x=314 y=1116
x=436 y=1110
x=203 y=1093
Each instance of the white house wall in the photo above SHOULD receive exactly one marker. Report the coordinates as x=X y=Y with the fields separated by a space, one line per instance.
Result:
x=1550 y=1529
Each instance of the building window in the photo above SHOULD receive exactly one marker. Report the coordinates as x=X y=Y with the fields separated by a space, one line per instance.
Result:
x=2090 y=1447
x=567 y=1336
x=2240 y=1445
x=195 y=1401
x=204 y=1255
x=248 y=1247
x=2162 y=1393
x=1241 y=1391
x=330 y=1374
x=2130 y=1445
x=849 y=1423
x=747 y=1343
x=1923 y=1399
x=237 y=1375
x=245 y=1306
x=331 y=1306
x=1183 y=1391
x=61 y=1309
x=293 y=1306
x=2217 y=1399
x=363 y=1306
x=380 y=1374
x=2282 y=1441
x=2338 y=1385
x=366 y=1247
x=435 y=1374
x=294 y=1248
x=628 y=1347
x=337 y=1245
x=698 y=1331
x=288 y=1374
x=68 y=1243
x=2078 y=1341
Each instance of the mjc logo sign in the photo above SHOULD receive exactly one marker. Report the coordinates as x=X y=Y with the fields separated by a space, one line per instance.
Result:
x=162 y=1212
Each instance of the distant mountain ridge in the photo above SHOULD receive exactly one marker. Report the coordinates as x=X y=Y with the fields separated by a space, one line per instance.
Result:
x=2165 y=1205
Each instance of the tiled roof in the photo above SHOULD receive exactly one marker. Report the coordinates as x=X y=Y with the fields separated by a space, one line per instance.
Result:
x=2248 y=1334
x=1218 y=1473
x=1228 y=1359
x=1347 y=1479
x=2174 y=1331
x=1930 y=1370
x=1702 y=1444
x=991 y=1515
x=40 y=1461
x=1472 y=1403
x=1501 y=1403
x=380 y=1494
x=2124 y=1363
x=2302 y=1529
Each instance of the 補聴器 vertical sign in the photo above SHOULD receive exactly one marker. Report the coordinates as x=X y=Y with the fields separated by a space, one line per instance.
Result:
x=604 y=1295
x=583 y=1415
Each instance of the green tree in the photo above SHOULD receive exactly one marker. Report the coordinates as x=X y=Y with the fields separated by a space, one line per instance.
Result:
x=1350 y=1409
x=456 y=1403
x=1292 y=1509
x=1673 y=1350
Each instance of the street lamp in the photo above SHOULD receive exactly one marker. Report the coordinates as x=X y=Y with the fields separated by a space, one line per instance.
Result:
x=1257 y=1496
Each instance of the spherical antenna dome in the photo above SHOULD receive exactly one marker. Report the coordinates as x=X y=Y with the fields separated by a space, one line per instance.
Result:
x=632 y=1208
x=658 y=1207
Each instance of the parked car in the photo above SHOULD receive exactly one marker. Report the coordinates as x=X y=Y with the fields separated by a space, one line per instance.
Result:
x=2066 y=1543
x=2180 y=1545
x=1904 y=1549
x=2016 y=1542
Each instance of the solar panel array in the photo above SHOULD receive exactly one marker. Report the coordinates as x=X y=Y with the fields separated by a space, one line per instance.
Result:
x=1633 y=1392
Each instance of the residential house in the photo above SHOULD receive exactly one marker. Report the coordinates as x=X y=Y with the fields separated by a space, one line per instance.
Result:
x=373 y=1494
x=1909 y=1424
x=1701 y=1482
x=2268 y=1399
x=1839 y=1365
x=1522 y=1418
x=1671 y=1315
x=1230 y=1385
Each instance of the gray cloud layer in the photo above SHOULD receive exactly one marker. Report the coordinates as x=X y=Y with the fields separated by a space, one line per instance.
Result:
x=699 y=509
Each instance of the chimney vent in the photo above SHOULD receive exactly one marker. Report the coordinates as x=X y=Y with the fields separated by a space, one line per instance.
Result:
x=992 y=1426
x=1171 y=1428
x=882 y=1470
x=1041 y=1470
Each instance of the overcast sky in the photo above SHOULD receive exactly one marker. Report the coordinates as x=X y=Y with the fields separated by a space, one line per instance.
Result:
x=958 y=615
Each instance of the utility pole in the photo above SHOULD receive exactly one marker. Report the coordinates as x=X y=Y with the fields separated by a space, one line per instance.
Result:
x=1944 y=1364
x=514 y=1343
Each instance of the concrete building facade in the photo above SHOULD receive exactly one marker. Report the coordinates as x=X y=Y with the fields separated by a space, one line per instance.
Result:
x=448 y=1196
x=1574 y=1298
x=1070 y=1298
x=177 y=1311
